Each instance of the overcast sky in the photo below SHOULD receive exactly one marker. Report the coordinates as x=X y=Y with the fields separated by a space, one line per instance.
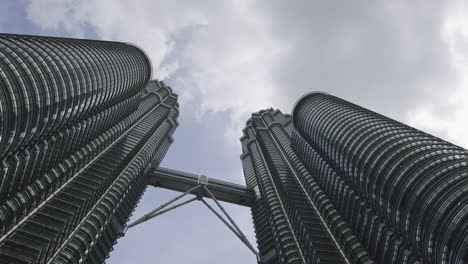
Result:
x=226 y=59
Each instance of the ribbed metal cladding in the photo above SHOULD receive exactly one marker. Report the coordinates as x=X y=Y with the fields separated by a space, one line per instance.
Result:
x=51 y=83
x=80 y=215
x=80 y=124
x=275 y=238
x=292 y=216
x=56 y=95
x=403 y=192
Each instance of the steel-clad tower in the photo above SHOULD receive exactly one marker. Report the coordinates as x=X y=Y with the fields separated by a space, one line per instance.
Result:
x=80 y=122
x=294 y=221
x=403 y=192
x=342 y=184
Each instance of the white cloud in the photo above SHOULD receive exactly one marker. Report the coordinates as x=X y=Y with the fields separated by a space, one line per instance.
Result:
x=147 y=24
x=235 y=58
x=447 y=116
x=406 y=59
x=225 y=54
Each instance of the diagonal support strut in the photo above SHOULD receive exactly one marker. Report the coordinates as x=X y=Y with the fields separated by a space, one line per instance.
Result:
x=203 y=186
x=239 y=233
x=148 y=216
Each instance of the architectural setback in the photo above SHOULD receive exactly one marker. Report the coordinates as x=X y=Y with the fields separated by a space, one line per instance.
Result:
x=338 y=183
x=294 y=221
x=80 y=123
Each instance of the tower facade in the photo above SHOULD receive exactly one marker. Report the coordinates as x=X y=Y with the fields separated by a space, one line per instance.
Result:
x=294 y=221
x=342 y=184
x=403 y=192
x=83 y=129
x=80 y=123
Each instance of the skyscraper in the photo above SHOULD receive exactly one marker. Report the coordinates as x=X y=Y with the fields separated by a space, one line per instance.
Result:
x=80 y=122
x=295 y=221
x=403 y=192
x=83 y=129
x=342 y=184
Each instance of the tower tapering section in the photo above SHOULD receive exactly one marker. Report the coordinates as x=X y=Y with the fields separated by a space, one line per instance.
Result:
x=337 y=183
x=80 y=123
x=403 y=192
x=294 y=221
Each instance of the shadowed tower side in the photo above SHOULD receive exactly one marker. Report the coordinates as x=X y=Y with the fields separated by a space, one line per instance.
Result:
x=403 y=192
x=80 y=122
x=290 y=223
x=338 y=183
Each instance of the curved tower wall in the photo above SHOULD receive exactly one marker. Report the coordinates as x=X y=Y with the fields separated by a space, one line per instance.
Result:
x=403 y=192
x=57 y=95
x=52 y=83
x=80 y=123
x=294 y=221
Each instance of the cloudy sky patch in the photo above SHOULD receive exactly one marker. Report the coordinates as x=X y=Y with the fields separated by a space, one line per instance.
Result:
x=227 y=59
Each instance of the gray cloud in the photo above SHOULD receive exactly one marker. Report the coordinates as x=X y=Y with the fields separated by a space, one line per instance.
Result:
x=386 y=55
x=228 y=59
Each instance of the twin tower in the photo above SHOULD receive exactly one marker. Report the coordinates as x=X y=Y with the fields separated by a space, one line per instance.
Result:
x=83 y=127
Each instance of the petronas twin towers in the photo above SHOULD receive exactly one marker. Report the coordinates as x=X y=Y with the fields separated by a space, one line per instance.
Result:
x=83 y=129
